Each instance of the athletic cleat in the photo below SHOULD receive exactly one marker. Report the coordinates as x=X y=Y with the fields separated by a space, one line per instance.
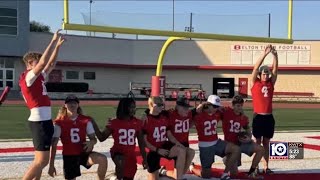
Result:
x=225 y=177
x=254 y=175
x=162 y=171
x=257 y=171
x=268 y=171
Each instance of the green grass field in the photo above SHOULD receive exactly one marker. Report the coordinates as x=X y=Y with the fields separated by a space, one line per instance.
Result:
x=13 y=119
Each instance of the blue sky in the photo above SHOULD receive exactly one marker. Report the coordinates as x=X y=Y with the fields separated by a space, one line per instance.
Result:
x=225 y=17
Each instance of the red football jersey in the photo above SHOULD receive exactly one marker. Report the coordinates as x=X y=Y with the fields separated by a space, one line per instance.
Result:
x=179 y=126
x=156 y=129
x=206 y=126
x=262 y=94
x=73 y=134
x=232 y=124
x=124 y=133
x=36 y=95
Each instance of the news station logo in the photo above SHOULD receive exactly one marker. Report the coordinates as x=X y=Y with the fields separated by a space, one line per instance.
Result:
x=286 y=150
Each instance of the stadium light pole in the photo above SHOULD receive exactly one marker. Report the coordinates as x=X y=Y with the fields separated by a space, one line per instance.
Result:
x=91 y=1
x=269 y=27
x=172 y=15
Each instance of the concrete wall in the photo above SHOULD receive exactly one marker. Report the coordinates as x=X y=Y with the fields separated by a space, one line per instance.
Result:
x=111 y=80
x=108 y=80
x=87 y=49
x=16 y=45
x=146 y=52
x=182 y=53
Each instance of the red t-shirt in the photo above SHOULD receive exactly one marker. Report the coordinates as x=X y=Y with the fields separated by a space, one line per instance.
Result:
x=73 y=134
x=262 y=94
x=206 y=126
x=179 y=126
x=232 y=124
x=36 y=95
x=124 y=133
x=155 y=127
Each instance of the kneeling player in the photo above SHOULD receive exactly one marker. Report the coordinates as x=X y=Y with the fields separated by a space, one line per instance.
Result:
x=180 y=120
x=209 y=144
x=125 y=128
x=233 y=121
x=72 y=127
x=156 y=132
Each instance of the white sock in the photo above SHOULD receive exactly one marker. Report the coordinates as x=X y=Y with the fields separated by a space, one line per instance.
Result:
x=163 y=171
x=191 y=167
x=113 y=177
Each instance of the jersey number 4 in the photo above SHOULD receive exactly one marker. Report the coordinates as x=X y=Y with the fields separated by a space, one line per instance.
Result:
x=126 y=136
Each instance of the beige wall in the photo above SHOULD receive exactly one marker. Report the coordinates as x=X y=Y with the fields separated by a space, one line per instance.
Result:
x=87 y=49
x=141 y=52
x=108 y=80
x=204 y=52
x=299 y=82
x=116 y=80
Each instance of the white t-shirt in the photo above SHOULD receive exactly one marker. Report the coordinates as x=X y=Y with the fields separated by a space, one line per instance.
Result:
x=31 y=77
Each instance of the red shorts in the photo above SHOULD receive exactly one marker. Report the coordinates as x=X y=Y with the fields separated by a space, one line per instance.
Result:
x=130 y=163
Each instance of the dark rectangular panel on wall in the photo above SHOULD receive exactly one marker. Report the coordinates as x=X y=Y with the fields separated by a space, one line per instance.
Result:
x=223 y=87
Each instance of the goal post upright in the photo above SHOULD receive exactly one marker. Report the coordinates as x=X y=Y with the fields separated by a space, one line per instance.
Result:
x=158 y=81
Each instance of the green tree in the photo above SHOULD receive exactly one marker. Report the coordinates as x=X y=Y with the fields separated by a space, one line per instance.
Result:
x=39 y=27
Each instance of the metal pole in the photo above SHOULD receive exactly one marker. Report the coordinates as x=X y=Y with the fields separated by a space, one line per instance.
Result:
x=62 y=23
x=90 y=16
x=172 y=15
x=191 y=28
x=66 y=12
x=269 y=27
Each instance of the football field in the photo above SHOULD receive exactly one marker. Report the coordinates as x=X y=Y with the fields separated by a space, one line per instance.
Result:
x=15 y=157
x=13 y=123
x=293 y=124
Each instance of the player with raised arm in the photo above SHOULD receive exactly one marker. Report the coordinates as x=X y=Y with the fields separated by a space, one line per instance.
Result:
x=156 y=136
x=34 y=92
x=180 y=121
x=125 y=129
x=262 y=93
x=209 y=144
x=236 y=130
x=72 y=127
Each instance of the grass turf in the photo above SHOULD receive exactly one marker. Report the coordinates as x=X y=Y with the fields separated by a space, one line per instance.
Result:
x=13 y=119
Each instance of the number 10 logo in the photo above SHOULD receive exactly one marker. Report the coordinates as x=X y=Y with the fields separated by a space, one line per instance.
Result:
x=278 y=149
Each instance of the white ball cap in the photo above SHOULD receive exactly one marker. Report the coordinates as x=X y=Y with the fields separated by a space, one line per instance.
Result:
x=214 y=100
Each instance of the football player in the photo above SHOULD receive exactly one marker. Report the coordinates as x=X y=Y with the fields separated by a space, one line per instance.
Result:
x=72 y=127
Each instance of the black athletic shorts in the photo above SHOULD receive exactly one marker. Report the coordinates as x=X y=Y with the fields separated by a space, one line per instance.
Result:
x=263 y=126
x=153 y=158
x=42 y=132
x=71 y=165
